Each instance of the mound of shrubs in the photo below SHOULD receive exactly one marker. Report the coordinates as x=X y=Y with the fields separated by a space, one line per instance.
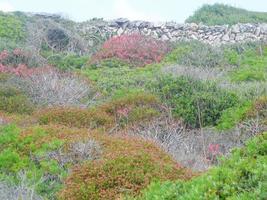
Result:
x=135 y=49
x=18 y=155
x=128 y=165
x=120 y=111
x=197 y=54
x=219 y=14
x=48 y=86
x=13 y=100
x=197 y=103
x=242 y=176
x=11 y=27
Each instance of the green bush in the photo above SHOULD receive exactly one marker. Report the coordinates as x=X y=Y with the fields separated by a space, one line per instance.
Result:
x=251 y=64
x=194 y=100
x=242 y=176
x=109 y=63
x=219 y=14
x=14 y=101
x=18 y=153
x=65 y=61
x=196 y=54
x=230 y=117
x=11 y=27
x=110 y=79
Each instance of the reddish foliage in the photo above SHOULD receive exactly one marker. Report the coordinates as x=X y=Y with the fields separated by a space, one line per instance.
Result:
x=134 y=49
x=214 y=151
x=4 y=55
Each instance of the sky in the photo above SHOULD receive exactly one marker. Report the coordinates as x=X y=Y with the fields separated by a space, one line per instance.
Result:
x=150 y=10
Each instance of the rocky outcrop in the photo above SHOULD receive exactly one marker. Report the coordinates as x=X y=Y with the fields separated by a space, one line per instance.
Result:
x=171 y=31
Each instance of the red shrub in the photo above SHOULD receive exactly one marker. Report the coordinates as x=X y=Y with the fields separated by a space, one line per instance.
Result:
x=134 y=49
x=15 y=57
x=20 y=70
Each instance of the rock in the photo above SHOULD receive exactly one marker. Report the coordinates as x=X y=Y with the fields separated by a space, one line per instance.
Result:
x=121 y=21
x=226 y=37
x=239 y=37
x=257 y=31
x=173 y=31
x=235 y=28
x=164 y=37
x=263 y=28
x=120 y=31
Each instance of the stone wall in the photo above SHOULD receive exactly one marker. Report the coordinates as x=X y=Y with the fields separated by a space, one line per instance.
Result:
x=171 y=31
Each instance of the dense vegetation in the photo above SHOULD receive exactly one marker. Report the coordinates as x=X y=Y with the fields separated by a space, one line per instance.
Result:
x=11 y=27
x=242 y=176
x=219 y=14
x=136 y=119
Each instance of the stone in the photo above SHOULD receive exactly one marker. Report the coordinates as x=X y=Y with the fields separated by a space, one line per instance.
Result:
x=235 y=28
x=164 y=37
x=121 y=21
x=263 y=28
x=172 y=31
x=120 y=31
x=226 y=37
x=258 y=31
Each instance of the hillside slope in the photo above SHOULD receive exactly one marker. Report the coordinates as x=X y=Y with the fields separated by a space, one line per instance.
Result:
x=219 y=14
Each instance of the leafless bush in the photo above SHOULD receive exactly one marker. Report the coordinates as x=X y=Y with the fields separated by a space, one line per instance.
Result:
x=200 y=73
x=50 y=87
x=2 y=121
x=77 y=152
x=196 y=149
x=203 y=55
x=23 y=191
x=250 y=90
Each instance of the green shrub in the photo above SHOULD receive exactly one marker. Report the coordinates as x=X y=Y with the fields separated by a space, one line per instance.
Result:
x=249 y=74
x=11 y=27
x=196 y=54
x=232 y=116
x=19 y=152
x=66 y=62
x=242 y=176
x=109 y=63
x=110 y=79
x=252 y=64
x=75 y=117
x=219 y=14
x=192 y=99
x=14 y=101
x=110 y=179
x=121 y=109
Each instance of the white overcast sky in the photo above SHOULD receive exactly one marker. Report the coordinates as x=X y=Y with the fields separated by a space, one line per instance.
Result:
x=152 y=10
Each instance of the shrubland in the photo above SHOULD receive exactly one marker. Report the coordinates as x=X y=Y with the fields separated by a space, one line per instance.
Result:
x=241 y=176
x=125 y=122
x=132 y=49
x=11 y=27
x=219 y=14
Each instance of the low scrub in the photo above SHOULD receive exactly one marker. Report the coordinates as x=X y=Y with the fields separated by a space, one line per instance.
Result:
x=119 y=174
x=109 y=79
x=197 y=103
x=241 y=176
x=14 y=101
x=196 y=54
x=47 y=86
x=136 y=50
x=232 y=116
x=118 y=112
x=75 y=117
x=17 y=153
x=11 y=27
x=220 y=14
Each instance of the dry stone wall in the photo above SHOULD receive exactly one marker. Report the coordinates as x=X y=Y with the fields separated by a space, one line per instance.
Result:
x=171 y=31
